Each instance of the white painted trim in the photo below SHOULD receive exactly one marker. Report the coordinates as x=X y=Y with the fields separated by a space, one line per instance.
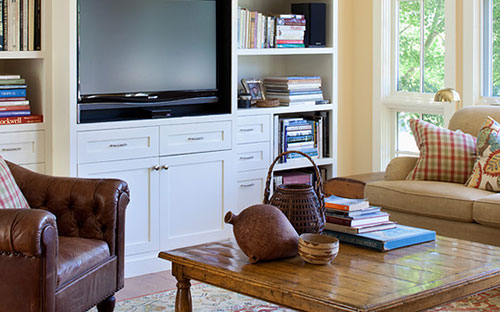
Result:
x=471 y=52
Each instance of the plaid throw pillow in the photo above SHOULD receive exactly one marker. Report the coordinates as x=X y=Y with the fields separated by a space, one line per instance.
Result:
x=10 y=194
x=445 y=155
x=486 y=172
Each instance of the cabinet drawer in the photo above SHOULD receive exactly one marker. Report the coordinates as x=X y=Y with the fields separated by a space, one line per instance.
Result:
x=253 y=129
x=195 y=138
x=252 y=156
x=250 y=188
x=97 y=146
x=23 y=147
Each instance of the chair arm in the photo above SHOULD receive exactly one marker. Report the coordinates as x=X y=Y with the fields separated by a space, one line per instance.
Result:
x=399 y=168
x=21 y=231
x=86 y=208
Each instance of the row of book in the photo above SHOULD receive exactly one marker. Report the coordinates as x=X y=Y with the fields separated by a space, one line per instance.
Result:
x=294 y=90
x=14 y=105
x=258 y=31
x=299 y=176
x=304 y=134
x=20 y=25
x=354 y=221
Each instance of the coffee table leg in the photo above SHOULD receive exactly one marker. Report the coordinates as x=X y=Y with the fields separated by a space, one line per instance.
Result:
x=183 y=299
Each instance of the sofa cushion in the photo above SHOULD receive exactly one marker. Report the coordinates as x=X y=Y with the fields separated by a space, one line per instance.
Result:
x=486 y=172
x=445 y=155
x=10 y=194
x=487 y=210
x=77 y=255
x=444 y=200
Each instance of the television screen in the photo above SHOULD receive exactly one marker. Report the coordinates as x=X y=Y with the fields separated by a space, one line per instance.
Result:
x=130 y=46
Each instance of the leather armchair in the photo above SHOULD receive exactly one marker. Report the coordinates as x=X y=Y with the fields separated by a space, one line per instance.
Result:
x=67 y=252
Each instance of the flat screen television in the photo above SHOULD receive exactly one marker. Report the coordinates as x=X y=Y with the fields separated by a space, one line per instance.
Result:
x=153 y=58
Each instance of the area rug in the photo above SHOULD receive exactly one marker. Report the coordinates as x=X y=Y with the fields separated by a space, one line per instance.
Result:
x=212 y=299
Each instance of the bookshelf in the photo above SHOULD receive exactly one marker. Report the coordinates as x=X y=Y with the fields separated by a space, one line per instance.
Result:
x=33 y=141
x=260 y=63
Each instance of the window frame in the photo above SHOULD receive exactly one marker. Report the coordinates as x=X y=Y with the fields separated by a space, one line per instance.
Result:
x=387 y=101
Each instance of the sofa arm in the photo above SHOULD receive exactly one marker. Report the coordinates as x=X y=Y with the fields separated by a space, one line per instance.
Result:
x=399 y=168
x=21 y=231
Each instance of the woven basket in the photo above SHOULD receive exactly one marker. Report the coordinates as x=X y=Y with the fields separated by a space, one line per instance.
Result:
x=302 y=204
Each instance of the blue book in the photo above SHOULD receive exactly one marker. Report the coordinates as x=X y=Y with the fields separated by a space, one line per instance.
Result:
x=15 y=113
x=13 y=93
x=400 y=236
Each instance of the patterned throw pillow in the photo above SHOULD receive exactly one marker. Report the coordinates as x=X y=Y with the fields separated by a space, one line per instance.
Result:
x=486 y=172
x=10 y=194
x=445 y=155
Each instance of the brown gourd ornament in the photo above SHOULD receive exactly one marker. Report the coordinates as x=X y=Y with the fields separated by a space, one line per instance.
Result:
x=263 y=233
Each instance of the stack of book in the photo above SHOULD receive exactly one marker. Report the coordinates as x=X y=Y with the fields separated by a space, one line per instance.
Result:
x=290 y=30
x=20 y=25
x=14 y=106
x=293 y=177
x=304 y=134
x=354 y=216
x=290 y=91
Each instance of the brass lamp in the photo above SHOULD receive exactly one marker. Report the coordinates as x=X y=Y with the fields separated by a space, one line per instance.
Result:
x=448 y=95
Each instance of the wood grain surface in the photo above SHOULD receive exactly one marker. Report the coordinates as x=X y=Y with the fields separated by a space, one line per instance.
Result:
x=359 y=279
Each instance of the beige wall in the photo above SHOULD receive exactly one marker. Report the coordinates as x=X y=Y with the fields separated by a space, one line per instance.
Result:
x=356 y=83
x=355 y=86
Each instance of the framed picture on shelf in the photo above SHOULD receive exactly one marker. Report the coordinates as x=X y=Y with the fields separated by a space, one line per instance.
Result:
x=255 y=88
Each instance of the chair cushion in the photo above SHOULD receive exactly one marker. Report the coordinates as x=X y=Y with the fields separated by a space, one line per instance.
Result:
x=445 y=155
x=444 y=200
x=487 y=211
x=77 y=255
x=486 y=172
x=10 y=194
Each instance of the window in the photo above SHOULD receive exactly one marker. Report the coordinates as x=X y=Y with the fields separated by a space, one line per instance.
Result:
x=405 y=143
x=491 y=48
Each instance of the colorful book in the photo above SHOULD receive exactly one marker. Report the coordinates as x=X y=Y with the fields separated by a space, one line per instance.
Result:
x=359 y=221
x=2 y=77
x=10 y=93
x=290 y=45
x=291 y=21
x=400 y=236
x=18 y=100
x=15 y=113
x=352 y=214
x=360 y=229
x=14 y=108
x=346 y=204
x=21 y=120
x=289 y=41
x=12 y=82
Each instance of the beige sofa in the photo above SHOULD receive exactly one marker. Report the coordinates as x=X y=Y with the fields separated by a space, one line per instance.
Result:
x=450 y=209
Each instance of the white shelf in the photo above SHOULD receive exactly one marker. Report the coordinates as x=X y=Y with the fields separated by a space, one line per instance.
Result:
x=284 y=109
x=286 y=51
x=13 y=55
x=22 y=127
x=303 y=163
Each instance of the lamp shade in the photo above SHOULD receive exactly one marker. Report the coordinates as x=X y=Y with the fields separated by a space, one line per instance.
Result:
x=447 y=95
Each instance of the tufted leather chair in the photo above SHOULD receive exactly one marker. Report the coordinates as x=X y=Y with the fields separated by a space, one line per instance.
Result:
x=67 y=253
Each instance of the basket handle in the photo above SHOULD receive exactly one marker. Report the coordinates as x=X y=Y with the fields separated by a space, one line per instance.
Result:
x=318 y=186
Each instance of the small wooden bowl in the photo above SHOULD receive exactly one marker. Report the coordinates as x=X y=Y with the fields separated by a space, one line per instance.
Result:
x=317 y=248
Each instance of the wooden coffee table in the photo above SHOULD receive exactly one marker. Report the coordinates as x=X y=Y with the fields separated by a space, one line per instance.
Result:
x=359 y=279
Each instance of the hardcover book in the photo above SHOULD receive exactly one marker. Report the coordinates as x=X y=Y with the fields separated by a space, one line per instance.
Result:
x=346 y=204
x=400 y=236
x=360 y=229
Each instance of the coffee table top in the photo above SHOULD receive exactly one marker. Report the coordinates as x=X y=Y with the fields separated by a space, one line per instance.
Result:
x=359 y=279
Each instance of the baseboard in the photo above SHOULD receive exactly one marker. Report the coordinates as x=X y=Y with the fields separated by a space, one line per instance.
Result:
x=145 y=264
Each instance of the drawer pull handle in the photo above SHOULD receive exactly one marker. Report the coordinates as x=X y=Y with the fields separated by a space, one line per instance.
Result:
x=164 y=167
x=247 y=157
x=196 y=139
x=247 y=185
x=11 y=149
x=156 y=168
x=246 y=130
x=118 y=145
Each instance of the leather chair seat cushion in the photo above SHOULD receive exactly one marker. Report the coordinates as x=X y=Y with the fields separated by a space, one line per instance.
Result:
x=78 y=255
x=487 y=211
x=451 y=201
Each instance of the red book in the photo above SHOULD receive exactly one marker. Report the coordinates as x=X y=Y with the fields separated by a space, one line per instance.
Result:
x=289 y=41
x=4 y=99
x=21 y=120
x=357 y=222
x=14 y=108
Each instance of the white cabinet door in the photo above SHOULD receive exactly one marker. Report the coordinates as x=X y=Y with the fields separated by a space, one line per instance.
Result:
x=251 y=187
x=193 y=193
x=142 y=214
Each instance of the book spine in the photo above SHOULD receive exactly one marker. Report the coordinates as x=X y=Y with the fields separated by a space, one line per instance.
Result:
x=290 y=35
x=31 y=25
x=5 y=22
x=252 y=30
x=1 y=26
x=21 y=22
x=279 y=45
x=335 y=220
x=12 y=82
x=14 y=108
x=15 y=113
x=356 y=240
x=38 y=25
x=337 y=206
x=13 y=93
x=289 y=41
x=21 y=120
x=291 y=21
x=287 y=28
x=25 y=25
x=10 y=99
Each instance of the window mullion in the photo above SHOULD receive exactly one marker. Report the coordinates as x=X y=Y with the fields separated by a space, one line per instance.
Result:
x=488 y=48
x=422 y=38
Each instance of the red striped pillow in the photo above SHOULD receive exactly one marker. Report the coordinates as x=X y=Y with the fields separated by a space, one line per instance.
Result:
x=445 y=155
x=10 y=194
